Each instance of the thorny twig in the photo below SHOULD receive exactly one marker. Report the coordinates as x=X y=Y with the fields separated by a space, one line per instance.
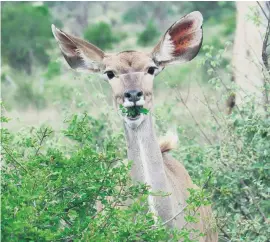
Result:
x=208 y=105
x=268 y=18
x=12 y=157
x=178 y=213
x=44 y=134
x=224 y=232
x=192 y=116
x=253 y=198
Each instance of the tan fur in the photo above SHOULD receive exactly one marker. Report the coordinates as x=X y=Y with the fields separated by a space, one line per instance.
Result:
x=168 y=142
x=151 y=162
x=177 y=174
x=180 y=179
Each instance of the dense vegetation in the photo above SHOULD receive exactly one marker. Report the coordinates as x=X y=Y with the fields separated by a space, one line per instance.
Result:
x=53 y=174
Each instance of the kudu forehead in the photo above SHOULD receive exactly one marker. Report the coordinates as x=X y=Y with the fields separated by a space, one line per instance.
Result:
x=127 y=62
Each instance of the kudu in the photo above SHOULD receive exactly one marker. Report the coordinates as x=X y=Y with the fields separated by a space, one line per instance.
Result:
x=130 y=75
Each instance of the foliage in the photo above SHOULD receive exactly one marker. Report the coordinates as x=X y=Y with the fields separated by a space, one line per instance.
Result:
x=101 y=35
x=136 y=14
x=150 y=11
x=26 y=96
x=39 y=190
x=133 y=111
x=54 y=69
x=30 y=38
x=240 y=165
x=149 y=35
x=238 y=154
x=210 y=10
x=51 y=188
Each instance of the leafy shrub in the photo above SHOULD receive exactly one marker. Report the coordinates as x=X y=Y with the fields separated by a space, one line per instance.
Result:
x=149 y=35
x=101 y=35
x=54 y=69
x=26 y=96
x=30 y=38
x=136 y=14
x=237 y=152
x=51 y=184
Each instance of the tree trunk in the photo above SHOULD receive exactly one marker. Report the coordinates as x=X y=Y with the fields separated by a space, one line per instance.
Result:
x=248 y=63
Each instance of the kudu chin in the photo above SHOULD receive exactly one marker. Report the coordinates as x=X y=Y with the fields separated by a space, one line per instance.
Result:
x=130 y=75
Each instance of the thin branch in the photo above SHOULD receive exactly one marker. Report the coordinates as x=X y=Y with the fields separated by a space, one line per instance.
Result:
x=208 y=105
x=12 y=157
x=176 y=215
x=224 y=233
x=263 y=11
x=265 y=43
x=265 y=62
x=192 y=116
x=253 y=198
x=44 y=134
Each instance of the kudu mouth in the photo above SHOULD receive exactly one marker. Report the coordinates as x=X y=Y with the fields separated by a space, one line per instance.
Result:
x=134 y=112
x=133 y=104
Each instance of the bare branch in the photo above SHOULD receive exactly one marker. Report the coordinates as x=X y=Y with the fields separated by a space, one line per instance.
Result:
x=12 y=157
x=264 y=13
x=265 y=44
x=192 y=116
x=208 y=105
x=265 y=62
x=253 y=199
x=44 y=134
x=172 y=218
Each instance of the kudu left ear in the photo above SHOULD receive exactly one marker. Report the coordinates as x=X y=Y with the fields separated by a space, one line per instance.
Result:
x=181 y=42
x=79 y=54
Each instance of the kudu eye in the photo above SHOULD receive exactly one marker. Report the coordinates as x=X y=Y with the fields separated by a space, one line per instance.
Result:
x=110 y=74
x=151 y=70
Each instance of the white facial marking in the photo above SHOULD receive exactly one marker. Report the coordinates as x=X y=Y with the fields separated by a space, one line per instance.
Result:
x=133 y=124
x=141 y=102
x=127 y=103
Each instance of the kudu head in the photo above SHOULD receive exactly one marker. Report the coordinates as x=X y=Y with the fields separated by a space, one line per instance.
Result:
x=131 y=73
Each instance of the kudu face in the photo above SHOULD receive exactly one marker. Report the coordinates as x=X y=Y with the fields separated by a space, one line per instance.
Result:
x=131 y=73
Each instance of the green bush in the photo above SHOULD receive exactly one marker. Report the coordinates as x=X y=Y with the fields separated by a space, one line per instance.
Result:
x=26 y=35
x=136 y=14
x=101 y=35
x=237 y=152
x=26 y=96
x=149 y=35
x=51 y=184
x=54 y=69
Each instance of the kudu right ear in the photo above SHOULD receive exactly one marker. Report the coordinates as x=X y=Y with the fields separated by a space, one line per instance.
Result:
x=79 y=54
x=181 y=42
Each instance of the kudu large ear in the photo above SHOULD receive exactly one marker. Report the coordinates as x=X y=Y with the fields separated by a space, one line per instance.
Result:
x=79 y=54
x=181 y=42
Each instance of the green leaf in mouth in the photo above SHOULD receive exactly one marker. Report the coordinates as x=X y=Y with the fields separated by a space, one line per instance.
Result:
x=133 y=111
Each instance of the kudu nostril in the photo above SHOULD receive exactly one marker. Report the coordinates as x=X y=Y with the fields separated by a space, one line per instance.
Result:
x=127 y=95
x=139 y=94
x=133 y=95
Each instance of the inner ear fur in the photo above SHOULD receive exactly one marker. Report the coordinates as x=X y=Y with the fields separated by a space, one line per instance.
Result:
x=181 y=42
x=79 y=54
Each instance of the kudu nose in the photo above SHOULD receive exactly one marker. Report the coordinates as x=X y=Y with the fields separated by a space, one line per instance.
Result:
x=133 y=95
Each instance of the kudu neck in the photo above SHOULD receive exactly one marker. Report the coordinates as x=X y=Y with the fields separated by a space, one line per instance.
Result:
x=143 y=149
x=148 y=166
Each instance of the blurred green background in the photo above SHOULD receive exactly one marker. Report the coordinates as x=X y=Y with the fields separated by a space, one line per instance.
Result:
x=37 y=84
